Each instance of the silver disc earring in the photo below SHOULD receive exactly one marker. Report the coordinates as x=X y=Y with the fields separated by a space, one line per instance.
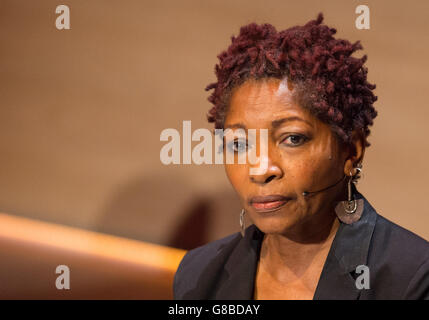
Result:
x=242 y=223
x=350 y=211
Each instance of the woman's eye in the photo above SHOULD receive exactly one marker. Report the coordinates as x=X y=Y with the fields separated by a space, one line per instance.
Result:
x=237 y=146
x=295 y=140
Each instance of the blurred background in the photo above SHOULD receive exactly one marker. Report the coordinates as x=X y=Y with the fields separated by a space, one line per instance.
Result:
x=82 y=110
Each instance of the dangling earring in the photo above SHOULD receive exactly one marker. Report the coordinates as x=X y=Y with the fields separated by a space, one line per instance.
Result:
x=350 y=211
x=242 y=224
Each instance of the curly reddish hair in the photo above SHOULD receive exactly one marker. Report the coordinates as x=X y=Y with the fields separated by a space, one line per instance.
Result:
x=330 y=82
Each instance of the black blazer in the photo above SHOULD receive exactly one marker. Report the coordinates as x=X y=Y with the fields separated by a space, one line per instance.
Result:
x=398 y=262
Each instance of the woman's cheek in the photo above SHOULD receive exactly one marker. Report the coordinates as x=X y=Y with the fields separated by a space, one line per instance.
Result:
x=233 y=174
x=308 y=167
x=238 y=176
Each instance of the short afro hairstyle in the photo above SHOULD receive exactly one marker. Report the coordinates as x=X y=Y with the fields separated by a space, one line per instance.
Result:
x=331 y=83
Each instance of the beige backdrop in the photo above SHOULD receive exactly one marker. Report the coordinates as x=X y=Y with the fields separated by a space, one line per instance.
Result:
x=82 y=110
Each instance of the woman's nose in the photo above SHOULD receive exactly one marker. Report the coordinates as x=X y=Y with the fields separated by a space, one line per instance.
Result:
x=273 y=172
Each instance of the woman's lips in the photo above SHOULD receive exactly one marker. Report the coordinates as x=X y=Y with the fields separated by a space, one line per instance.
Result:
x=268 y=203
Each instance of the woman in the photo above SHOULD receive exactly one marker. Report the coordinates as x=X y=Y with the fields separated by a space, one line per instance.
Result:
x=314 y=235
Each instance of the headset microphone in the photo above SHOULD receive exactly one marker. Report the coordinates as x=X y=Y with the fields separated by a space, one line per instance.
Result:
x=305 y=193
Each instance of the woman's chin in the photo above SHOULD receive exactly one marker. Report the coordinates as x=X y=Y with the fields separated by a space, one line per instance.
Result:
x=275 y=224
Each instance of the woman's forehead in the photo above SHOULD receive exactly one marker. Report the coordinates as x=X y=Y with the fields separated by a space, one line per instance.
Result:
x=257 y=102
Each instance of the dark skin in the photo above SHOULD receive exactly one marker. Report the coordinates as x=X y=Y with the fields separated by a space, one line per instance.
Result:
x=303 y=155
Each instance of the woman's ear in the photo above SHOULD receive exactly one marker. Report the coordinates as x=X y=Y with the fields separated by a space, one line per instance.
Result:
x=356 y=152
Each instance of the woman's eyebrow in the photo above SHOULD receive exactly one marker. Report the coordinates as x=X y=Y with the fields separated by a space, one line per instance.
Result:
x=277 y=123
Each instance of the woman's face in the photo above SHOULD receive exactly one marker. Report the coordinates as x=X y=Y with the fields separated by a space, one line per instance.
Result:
x=303 y=154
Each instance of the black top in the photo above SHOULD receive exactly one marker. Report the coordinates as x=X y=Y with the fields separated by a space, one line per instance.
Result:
x=397 y=261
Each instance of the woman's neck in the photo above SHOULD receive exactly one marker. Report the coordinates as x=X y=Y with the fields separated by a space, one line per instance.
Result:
x=298 y=249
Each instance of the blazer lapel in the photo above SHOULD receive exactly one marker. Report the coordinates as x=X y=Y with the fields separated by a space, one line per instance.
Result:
x=349 y=250
x=230 y=274
x=240 y=269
